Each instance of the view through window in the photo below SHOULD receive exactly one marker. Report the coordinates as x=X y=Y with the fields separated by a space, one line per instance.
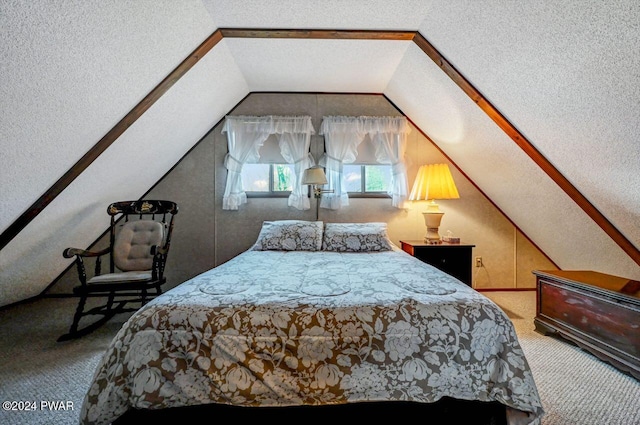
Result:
x=276 y=178
x=367 y=178
x=266 y=178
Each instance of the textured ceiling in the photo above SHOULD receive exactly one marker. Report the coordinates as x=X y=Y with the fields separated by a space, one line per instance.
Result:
x=500 y=168
x=324 y=14
x=74 y=69
x=312 y=65
x=566 y=74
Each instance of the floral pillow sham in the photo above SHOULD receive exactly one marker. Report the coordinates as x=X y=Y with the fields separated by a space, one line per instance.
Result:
x=356 y=237
x=289 y=235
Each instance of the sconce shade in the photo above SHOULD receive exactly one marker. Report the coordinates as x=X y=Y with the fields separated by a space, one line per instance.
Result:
x=314 y=175
x=434 y=181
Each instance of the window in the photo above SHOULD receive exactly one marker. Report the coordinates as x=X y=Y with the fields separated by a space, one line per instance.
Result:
x=273 y=142
x=367 y=179
x=272 y=176
x=376 y=148
x=267 y=179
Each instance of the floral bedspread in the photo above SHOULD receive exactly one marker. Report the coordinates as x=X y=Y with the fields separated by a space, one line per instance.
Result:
x=275 y=328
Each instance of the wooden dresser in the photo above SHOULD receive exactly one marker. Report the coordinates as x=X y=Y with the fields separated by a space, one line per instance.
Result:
x=598 y=312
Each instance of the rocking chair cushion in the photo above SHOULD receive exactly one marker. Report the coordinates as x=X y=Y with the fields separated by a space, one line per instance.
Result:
x=132 y=276
x=132 y=248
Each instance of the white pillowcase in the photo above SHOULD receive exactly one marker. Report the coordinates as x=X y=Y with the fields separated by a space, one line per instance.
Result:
x=356 y=237
x=290 y=235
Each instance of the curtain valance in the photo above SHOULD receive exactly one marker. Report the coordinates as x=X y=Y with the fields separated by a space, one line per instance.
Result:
x=270 y=124
x=365 y=124
x=395 y=125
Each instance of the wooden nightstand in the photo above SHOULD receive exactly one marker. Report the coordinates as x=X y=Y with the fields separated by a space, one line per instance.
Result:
x=453 y=259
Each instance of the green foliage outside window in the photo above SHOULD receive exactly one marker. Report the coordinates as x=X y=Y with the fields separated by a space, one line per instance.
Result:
x=281 y=178
x=375 y=179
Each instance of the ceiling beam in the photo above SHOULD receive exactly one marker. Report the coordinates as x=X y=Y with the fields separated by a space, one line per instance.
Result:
x=318 y=34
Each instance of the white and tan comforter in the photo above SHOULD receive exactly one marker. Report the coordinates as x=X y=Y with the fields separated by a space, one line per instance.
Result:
x=278 y=328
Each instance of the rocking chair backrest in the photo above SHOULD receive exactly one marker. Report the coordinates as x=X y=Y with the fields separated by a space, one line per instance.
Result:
x=136 y=226
x=132 y=247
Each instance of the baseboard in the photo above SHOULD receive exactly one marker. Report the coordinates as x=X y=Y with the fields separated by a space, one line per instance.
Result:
x=504 y=289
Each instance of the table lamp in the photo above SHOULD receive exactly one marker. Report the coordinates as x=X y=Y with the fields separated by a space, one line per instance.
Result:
x=434 y=181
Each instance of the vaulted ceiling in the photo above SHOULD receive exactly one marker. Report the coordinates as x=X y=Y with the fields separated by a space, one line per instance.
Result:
x=564 y=75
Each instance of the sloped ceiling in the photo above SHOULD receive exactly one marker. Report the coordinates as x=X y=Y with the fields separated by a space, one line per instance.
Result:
x=565 y=74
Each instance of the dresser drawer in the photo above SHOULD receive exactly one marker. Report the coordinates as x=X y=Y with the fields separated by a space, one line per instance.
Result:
x=612 y=323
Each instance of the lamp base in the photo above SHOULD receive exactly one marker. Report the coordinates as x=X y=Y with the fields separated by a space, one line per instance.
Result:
x=432 y=220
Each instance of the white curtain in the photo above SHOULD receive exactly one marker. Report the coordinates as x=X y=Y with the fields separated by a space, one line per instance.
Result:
x=245 y=136
x=294 y=139
x=342 y=135
x=389 y=137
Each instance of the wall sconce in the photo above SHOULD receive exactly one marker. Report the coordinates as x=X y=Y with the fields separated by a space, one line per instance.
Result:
x=316 y=177
x=434 y=181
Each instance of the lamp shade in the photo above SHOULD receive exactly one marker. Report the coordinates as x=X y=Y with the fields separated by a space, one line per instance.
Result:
x=314 y=175
x=434 y=181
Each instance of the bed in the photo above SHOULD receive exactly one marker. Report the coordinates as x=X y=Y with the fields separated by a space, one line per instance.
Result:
x=315 y=315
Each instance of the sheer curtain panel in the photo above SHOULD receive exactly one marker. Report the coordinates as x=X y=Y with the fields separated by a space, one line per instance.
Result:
x=342 y=135
x=294 y=138
x=245 y=136
x=389 y=137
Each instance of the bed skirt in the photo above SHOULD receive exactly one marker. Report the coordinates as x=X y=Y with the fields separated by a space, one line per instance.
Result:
x=446 y=410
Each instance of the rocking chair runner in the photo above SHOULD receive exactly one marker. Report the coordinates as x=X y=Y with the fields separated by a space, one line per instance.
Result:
x=139 y=240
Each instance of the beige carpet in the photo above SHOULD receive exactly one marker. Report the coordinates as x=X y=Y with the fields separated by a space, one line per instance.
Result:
x=575 y=387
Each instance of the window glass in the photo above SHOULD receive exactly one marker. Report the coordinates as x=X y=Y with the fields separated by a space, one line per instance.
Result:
x=265 y=178
x=376 y=178
x=255 y=177
x=353 y=178
x=282 y=174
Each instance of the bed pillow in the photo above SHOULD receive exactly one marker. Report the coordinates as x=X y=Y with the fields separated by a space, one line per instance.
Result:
x=356 y=237
x=289 y=235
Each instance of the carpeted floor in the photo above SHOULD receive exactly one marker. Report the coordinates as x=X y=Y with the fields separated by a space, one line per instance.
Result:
x=575 y=387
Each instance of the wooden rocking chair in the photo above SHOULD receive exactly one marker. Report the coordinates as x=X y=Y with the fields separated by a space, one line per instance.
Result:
x=139 y=240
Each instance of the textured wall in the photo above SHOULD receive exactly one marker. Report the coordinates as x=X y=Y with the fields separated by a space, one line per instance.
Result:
x=59 y=102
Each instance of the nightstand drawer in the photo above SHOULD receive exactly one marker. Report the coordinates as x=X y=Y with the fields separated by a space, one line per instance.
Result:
x=453 y=259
